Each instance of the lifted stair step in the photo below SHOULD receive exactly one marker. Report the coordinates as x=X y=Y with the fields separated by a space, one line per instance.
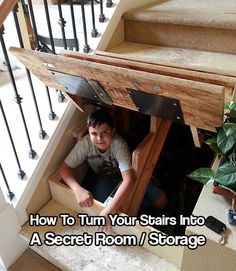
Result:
x=78 y=258
x=117 y=80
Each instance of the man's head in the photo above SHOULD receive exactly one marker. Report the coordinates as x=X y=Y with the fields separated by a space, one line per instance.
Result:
x=101 y=129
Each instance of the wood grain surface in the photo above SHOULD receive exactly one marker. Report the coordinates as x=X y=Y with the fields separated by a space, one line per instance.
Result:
x=201 y=103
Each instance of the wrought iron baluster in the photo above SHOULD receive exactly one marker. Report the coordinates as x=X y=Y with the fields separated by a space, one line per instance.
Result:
x=94 y=30
x=21 y=173
x=74 y=25
x=101 y=16
x=10 y=194
x=109 y=3
x=42 y=133
x=61 y=96
x=52 y=114
x=32 y=152
x=62 y=24
x=14 y=11
x=49 y=25
x=86 y=46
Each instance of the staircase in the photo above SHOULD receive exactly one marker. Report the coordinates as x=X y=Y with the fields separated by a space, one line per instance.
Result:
x=180 y=39
x=186 y=34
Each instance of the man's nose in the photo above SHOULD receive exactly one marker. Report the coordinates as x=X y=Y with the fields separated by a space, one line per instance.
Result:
x=99 y=136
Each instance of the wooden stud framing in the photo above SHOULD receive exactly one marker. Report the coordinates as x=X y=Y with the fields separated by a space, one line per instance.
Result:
x=146 y=172
x=197 y=136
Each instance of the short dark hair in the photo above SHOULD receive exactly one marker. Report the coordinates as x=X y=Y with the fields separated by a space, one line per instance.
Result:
x=99 y=117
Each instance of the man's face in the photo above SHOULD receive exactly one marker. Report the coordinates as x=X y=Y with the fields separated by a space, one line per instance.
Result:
x=101 y=136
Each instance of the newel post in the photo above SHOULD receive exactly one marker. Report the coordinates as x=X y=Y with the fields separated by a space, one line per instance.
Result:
x=11 y=245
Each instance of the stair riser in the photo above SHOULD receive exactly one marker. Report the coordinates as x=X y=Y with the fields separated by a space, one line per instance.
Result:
x=182 y=36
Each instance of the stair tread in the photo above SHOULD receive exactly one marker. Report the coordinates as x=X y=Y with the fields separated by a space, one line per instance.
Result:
x=90 y=257
x=203 y=13
x=218 y=63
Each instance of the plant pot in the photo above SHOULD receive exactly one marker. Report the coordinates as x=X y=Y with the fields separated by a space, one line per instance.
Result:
x=223 y=191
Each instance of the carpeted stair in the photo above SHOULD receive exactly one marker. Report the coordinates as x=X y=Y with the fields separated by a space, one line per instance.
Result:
x=184 y=33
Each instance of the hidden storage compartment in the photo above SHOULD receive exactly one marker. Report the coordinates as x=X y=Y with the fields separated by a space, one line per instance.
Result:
x=177 y=158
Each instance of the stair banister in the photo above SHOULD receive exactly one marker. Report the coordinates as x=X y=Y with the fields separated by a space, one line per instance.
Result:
x=5 y=9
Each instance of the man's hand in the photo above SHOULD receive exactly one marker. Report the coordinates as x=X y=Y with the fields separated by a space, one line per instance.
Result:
x=83 y=197
x=105 y=213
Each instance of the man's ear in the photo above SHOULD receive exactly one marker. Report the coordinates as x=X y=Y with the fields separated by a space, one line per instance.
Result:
x=113 y=130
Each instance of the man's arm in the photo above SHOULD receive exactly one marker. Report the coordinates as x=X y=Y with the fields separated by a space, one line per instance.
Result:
x=121 y=194
x=83 y=196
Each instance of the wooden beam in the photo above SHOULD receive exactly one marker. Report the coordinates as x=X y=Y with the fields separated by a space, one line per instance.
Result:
x=155 y=124
x=197 y=136
x=80 y=131
x=25 y=26
x=150 y=164
x=234 y=94
x=139 y=157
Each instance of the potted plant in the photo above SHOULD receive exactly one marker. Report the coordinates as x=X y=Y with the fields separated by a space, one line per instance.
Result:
x=223 y=143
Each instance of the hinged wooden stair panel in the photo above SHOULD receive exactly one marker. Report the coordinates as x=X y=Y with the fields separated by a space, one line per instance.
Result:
x=201 y=103
x=199 y=61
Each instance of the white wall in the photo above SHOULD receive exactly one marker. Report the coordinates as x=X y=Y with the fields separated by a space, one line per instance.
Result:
x=2 y=199
x=43 y=164
x=11 y=245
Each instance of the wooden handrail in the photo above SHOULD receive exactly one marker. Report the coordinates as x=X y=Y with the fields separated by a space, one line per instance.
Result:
x=5 y=8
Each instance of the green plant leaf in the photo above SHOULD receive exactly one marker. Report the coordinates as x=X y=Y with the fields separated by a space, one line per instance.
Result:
x=230 y=129
x=213 y=145
x=224 y=142
x=226 y=175
x=203 y=175
x=232 y=115
x=230 y=105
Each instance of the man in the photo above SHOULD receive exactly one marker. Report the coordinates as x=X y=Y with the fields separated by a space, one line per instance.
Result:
x=109 y=161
